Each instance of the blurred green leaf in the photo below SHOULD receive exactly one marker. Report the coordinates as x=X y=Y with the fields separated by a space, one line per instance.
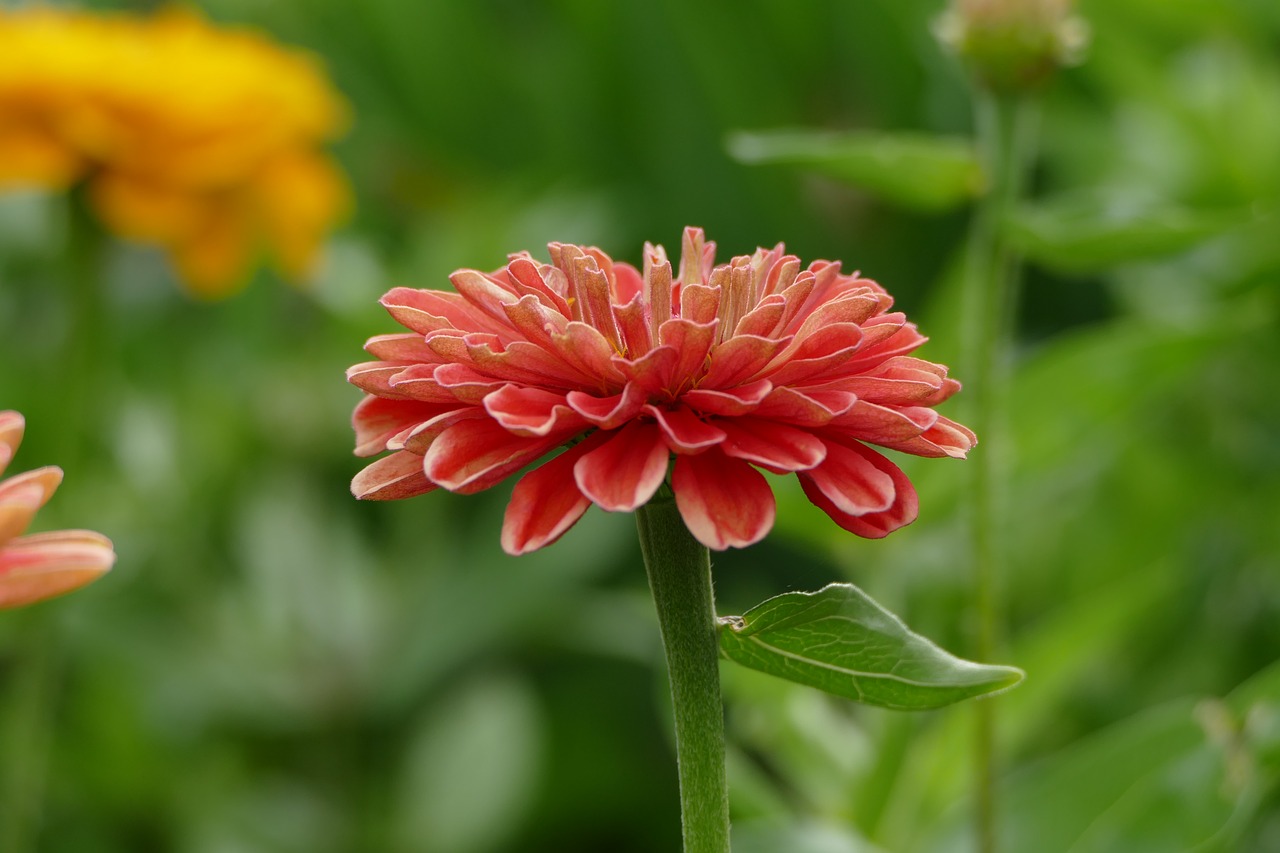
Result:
x=918 y=171
x=1091 y=235
x=839 y=640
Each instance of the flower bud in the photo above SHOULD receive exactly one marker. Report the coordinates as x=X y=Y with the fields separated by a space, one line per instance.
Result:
x=1013 y=45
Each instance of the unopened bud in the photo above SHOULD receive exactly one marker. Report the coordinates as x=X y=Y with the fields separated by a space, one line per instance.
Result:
x=1013 y=45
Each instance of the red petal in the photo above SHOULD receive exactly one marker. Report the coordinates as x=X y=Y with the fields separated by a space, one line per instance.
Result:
x=405 y=346
x=377 y=419
x=626 y=469
x=691 y=341
x=724 y=502
x=852 y=483
x=884 y=424
x=777 y=447
x=608 y=412
x=531 y=411
x=739 y=358
x=944 y=438
x=871 y=525
x=473 y=455
x=731 y=401
x=544 y=504
x=426 y=311
x=399 y=475
x=685 y=431
x=811 y=409
x=654 y=372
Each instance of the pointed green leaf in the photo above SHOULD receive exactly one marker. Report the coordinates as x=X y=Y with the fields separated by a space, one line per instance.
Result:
x=913 y=170
x=1086 y=234
x=839 y=640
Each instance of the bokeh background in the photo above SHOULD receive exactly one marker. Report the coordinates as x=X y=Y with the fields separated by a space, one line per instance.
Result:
x=273 y=666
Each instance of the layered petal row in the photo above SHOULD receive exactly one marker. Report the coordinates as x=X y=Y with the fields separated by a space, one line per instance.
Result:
x=620 y=383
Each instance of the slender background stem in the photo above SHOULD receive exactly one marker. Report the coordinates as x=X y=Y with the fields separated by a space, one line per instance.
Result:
x=1005 y=132
x=679 y=570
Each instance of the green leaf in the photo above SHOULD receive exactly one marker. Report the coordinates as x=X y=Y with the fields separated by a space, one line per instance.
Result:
x=839 y=640
x=1087 y=234
x=914 y=170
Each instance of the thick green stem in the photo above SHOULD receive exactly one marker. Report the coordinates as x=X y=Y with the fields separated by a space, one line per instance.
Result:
x=679 y=570
x=1005 y=128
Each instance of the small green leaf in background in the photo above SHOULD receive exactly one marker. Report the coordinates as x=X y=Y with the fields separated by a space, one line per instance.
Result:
x=1086 y=235
x=915 y=170
x=839 y=640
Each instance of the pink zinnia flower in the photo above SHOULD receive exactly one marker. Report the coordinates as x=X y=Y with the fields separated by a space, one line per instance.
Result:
x=40 y=565
x=753 y=364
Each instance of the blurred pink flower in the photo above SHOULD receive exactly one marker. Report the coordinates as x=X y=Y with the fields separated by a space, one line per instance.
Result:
x=753 y=364
x=40 y=565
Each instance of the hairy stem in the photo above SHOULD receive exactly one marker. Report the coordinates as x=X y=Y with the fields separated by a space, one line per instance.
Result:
x=679 y=569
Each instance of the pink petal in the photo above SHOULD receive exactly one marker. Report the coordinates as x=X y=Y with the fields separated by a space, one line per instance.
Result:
x=852 y=483
x=399 y=475
x=426 y=311
x=589 y=351
x=527 y=277
x=377 y=419
x=461 y=382
x=699 y=304
x=531 y=411
x=527 y=364
x=654 y=372
x=804 y=409
x=12 y=425
x=731 y=401
x=405 y=346
x=902 y=381
x=374 y=377
x=871 y=525
x=626 y=469
x=685 y=431
x=40 y=566
x=608 y=412
x=886 y=337
x=22 y=495
x=762 y=320
x=772 y=445
x=944 y=438
x=483 y=292
x=473 y=455
x=740 y=358
x=724 y=502
x=420 y=436
x=634 y=327
x=822 y=352
x=544 y=504
x=884 y=424
x=691 y=341
x=535 y=321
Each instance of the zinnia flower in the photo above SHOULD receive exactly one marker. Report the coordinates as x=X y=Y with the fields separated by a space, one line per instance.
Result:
x=753 y=364
x=39 y=565
x=201 y=140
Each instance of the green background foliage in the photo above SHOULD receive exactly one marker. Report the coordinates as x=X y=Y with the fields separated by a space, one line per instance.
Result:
x=273 y=666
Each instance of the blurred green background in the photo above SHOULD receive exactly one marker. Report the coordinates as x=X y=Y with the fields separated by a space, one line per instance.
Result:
x=273 y=666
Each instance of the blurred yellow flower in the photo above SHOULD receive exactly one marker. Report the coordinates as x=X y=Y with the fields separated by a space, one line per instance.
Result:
x=199 y=139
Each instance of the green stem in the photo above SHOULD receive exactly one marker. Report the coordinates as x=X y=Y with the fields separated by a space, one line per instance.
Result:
x=1005 y=131
x=40 y=667
x=679 y=569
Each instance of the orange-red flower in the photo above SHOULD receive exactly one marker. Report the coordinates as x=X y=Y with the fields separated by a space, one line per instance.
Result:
x=753 y=364
x=39 y=565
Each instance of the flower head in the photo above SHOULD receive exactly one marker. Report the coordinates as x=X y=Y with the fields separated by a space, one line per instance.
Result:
x=39 y=565
x=754 y=364
x=202 y=140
